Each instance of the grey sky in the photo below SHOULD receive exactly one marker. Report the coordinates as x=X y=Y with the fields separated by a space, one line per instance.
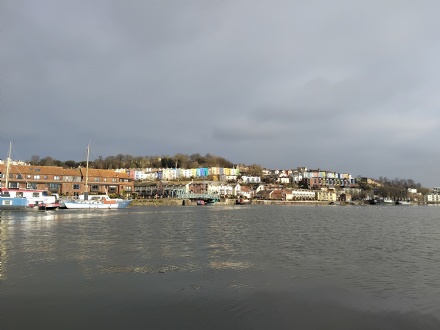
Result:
x=349 y=86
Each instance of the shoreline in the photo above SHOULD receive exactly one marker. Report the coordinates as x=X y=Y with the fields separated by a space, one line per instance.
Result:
x=181 y=202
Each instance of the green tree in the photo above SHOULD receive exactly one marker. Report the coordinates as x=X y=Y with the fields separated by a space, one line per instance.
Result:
x=46 y=161
x=70 y=164
x=181 y=160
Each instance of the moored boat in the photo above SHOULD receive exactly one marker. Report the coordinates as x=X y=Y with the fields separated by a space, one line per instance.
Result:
x=388 y=201
x=97 y=202
x=210 y=201
x=15 y=199
x=242 y=201
x=102 y=201
x=403 y=202
x=27 y=199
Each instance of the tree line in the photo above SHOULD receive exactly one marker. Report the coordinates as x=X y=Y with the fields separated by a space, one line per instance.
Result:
x=394 y=188
x=128 y=161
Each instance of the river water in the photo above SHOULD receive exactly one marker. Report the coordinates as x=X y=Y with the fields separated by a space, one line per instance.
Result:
x=222 y=267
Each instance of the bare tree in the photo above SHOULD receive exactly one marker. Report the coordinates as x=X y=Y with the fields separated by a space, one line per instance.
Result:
x=35 y=160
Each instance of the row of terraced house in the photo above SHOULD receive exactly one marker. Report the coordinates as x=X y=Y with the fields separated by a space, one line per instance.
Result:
x=301 y=176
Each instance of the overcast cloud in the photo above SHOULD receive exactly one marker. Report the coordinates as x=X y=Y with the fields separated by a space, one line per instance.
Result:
x=341 y=85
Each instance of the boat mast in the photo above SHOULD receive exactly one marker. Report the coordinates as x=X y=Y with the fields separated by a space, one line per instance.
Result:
x=86 y=193
x=8 y=164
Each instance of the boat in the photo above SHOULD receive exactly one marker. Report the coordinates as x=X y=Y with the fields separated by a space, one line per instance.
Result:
x=27 y=199
x=102 y=201
x=242 y=201
x=14 y=199
x=388 y=201
x=403 y=202
x=208 y=201
x=97 y=202
x=211 y=201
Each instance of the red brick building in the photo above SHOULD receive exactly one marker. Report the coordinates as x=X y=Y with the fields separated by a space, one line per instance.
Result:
x=67 y=182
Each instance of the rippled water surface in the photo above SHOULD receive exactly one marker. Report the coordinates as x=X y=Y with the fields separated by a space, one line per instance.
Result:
x=222 y=267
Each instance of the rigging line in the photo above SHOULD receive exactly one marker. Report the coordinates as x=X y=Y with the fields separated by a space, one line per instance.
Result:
x=98 y=170
x=16 y=164
x=18 y=160
x=84 y=156
x=95 y=156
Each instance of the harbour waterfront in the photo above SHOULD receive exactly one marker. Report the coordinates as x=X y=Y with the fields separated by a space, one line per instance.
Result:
x=222 y=267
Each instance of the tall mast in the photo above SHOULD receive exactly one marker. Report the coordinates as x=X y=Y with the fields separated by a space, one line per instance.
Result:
x=8 y=164
x=87 y=168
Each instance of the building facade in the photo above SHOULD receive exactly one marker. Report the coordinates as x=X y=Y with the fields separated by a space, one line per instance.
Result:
x=67 y=182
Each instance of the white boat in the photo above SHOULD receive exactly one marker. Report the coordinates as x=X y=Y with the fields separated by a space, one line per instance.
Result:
x=403 y=202
x=102 y=201
x=27 y=199
x=388 y=201
x=97 y=202
x=15 y=199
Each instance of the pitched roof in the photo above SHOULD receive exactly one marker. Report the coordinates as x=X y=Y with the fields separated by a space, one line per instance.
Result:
x=57 y=170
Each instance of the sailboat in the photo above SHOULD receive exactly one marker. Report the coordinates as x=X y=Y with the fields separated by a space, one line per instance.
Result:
x=15 y=199
x=102 y=201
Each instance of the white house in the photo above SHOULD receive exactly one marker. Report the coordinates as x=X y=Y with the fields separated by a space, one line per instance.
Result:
x=246 y=192
x=236 y=189
x=283 y=179
x=433 y=197
x=251 y=179
x=303 y=194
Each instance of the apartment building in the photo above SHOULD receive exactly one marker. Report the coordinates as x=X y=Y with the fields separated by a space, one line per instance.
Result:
x=67 y=182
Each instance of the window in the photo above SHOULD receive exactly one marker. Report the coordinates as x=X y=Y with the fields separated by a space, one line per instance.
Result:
x=19 y=176
x=13 y=185
x=56 y=177
x=97 y=179
x=35 y=194
x=75 y=186
x=54 y=186
x=36 y=177
x=19 y=194
x=31 y=186
x=94 y=187
x=112 y=189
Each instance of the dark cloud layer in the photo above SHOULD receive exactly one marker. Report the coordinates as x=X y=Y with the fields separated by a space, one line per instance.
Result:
x=342 y=85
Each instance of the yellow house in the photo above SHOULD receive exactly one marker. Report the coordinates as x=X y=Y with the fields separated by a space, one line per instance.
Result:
x=326 y=195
